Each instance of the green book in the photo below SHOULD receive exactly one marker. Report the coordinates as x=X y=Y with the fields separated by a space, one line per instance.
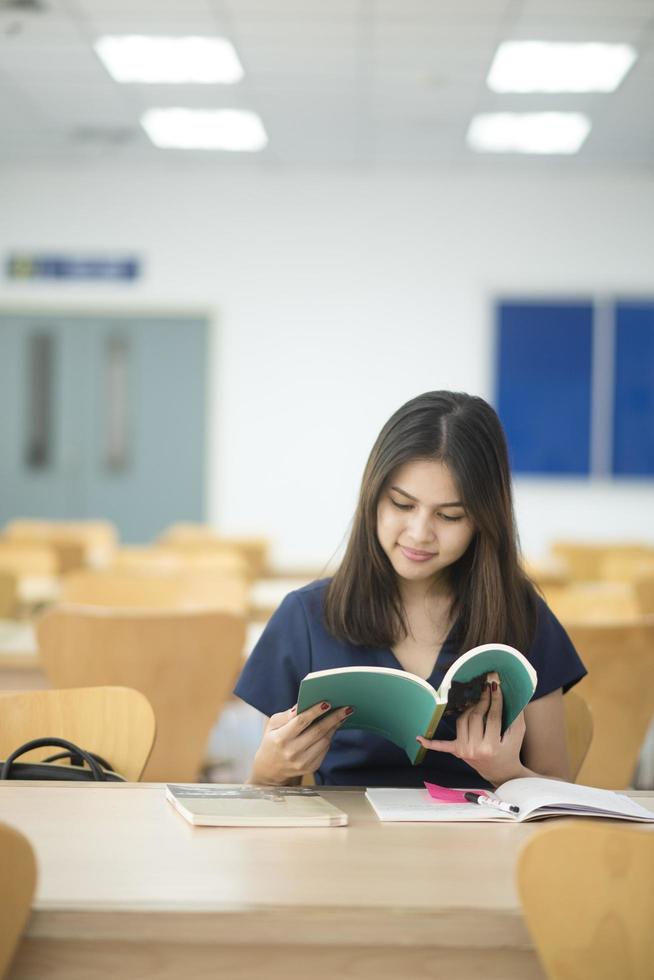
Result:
x=399 y=705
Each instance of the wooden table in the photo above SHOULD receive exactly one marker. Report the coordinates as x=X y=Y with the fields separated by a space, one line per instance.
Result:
x=128 y=889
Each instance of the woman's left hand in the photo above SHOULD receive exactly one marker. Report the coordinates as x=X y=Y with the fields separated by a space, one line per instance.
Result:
x=479 y=740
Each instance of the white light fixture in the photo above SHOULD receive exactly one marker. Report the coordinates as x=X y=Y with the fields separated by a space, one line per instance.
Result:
x=205 y=129
x=543 y=66
x=528 y=132
x=169 y=60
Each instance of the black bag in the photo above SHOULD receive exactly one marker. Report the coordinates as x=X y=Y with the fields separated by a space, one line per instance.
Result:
x=98 y=770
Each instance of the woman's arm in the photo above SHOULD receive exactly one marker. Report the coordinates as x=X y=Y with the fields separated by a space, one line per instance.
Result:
x=294 y=745
x=544 y=748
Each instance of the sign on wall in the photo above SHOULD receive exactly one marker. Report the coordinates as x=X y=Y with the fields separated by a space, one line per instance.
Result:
x=23 y=266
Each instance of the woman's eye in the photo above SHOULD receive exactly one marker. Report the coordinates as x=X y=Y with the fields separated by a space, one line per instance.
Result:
x=450 y=518
x=399 y=505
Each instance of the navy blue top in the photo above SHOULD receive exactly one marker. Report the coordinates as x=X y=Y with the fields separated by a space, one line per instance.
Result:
x=296 y=642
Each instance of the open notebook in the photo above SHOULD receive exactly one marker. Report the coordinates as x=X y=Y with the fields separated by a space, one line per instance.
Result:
x=535 y=798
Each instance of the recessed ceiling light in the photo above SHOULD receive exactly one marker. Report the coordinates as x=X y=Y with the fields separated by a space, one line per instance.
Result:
x=528 y=132
x=543 y=66
x=169 y=60
x=205 y=129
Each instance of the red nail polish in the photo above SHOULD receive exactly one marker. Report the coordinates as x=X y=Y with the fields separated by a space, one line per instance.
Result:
x=348 y=711
x=494 y=686
x=325 y=705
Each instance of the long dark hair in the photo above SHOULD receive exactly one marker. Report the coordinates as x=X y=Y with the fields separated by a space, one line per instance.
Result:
x=493 y=600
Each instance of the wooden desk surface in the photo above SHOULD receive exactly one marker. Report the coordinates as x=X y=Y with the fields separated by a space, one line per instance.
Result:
x=118 y=863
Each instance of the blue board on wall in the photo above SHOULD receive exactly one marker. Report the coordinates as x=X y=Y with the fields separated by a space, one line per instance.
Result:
x=544 y=384
x=633 y=409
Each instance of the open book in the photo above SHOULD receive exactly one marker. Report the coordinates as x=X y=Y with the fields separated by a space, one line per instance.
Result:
x=399 y=705
x=535 y=799
x=253 y=806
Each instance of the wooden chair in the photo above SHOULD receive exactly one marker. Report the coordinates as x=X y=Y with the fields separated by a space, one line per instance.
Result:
x=8 y=594
x=18 y=875
x=190 y=536
x=584 y=560
x=116 y=723
x=620 y=567
x=619 y=689
x=578 y=730
x=167 y=560
x=185 y=663
x=587 y=893
x=593 y=602
x=164 y=591
x=644 y=589
x=77 y=543
x=35 y=568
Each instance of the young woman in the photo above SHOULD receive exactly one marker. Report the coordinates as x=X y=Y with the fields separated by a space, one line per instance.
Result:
x=430 y=571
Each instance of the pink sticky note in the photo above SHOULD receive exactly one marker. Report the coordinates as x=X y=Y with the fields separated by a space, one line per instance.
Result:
x=443 y=794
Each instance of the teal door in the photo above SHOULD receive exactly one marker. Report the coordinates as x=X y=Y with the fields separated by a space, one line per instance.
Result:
x=103 y=417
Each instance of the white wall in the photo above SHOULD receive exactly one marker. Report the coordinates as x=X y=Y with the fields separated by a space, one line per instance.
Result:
x=337 y=297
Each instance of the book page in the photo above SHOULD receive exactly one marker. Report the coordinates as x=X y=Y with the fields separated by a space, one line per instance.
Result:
x=416 y=805
x=532 y=794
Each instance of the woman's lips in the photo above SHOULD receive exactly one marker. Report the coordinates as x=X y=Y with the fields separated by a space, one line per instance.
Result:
x=413 y=555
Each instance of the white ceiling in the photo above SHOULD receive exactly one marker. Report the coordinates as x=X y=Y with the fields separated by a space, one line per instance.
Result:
x=337 y=82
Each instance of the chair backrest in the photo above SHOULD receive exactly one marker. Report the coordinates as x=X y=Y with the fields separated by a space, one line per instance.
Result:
x=185 y=663
x=620 y=567
x=8 y=594
x=127 y=589
x=584 y=560
x=587 y=894
x=578 y=730
x=170 y=560
x=18 y=876
x=619 y=689
x=644 y=589
x=593 y=602
x=77 y=543
x=27 y=558
x=116 y=723
x=189 y=536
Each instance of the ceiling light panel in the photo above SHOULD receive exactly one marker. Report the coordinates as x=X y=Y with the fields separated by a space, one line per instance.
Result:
x=544 y=66
x=200 y=129
x=169 y=60
x=528 y=132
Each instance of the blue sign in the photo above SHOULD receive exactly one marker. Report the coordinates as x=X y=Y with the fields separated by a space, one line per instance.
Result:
x=21 y=266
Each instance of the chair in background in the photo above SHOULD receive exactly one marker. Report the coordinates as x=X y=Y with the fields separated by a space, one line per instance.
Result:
x=191 y=536
x=185 y=663
x=118 y=588
x=584 y=560
x=116 y=723
x=620 y=567
x=162 y=560
x=593 y=602
x=578 y=730
x=18 y=875
x=619 y=690
x=587 y=894
x=35 y=568
x=77 y=543
x=8 y=594
x=644 y=589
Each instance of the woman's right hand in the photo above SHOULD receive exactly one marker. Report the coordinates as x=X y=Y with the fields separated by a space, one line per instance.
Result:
x=292 y=746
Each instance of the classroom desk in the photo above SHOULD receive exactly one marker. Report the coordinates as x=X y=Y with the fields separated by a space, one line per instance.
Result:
x=127 y=888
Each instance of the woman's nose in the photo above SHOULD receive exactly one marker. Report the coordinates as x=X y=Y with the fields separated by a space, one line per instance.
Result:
x=422 y=529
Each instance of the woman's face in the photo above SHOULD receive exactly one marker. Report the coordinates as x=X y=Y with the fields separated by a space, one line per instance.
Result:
x=422 y=525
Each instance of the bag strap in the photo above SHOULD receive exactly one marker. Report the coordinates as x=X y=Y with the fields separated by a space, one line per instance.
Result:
x=39 y=743
x=76 y=760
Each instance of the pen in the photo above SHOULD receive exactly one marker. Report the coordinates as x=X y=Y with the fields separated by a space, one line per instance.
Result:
x=495 y=804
